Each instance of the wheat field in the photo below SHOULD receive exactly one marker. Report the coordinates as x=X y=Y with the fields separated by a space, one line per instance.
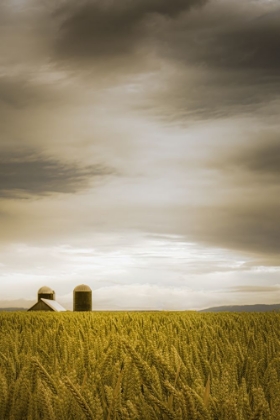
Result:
x=157 y=365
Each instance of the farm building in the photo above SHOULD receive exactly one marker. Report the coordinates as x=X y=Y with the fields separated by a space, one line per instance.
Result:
x=46 y=301
x=47 y=305
x=46 y=293
x=82 y=300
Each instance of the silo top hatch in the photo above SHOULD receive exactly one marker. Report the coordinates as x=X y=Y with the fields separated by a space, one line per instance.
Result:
x=82 y=288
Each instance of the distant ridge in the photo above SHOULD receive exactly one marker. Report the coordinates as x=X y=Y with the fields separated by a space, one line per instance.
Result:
x=244 y=308
x=12 y=309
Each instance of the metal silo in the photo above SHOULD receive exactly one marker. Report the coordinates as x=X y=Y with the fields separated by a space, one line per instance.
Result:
x=46 y=293
x=82 y=298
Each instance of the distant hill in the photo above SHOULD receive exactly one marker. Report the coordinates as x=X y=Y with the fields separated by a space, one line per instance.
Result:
x=244 y=308
x=16 y=304
x=234 y=308
x=12 y=309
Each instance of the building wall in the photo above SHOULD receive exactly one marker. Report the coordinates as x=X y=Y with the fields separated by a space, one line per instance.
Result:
x=82 y=301
x=40 y=306
x=49 y=296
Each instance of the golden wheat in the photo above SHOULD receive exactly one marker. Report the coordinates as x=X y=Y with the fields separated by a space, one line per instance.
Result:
x=134 y=366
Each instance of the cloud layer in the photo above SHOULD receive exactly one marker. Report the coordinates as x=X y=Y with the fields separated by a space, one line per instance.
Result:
x=101 y=28
x=27 y=174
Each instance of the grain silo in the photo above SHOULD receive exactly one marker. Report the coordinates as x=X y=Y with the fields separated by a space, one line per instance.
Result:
x=82 y=298
x=46 y=293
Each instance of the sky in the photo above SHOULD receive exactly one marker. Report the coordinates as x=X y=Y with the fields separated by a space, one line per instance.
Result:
x=140 y=152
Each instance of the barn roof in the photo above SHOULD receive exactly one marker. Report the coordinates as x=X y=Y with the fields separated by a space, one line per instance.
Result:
x=47 y=305
x=55 y=306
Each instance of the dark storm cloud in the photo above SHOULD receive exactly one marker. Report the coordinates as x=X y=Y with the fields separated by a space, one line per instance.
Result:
x=19 y=93
x=257 y=161
x=263 y=162
x=245 y=42
x=244 y=212
x=223 y=55
x=209 y=94
x=234 y=55
x=248 y=41
x=25 y=175
x=250 y=226
x=252 y=45
x=102 y=28
x=213 y=61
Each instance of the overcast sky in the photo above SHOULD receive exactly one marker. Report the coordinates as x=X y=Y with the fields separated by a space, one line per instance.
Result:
x=140 y=151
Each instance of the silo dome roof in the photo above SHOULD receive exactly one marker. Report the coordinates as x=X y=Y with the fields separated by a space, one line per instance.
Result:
x=82 y=288
x=45 y=289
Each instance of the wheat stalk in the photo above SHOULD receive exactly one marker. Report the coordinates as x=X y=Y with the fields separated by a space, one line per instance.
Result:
x=78 y=398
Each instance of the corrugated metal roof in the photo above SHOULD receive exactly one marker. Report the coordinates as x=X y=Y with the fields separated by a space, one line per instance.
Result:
x=82 y=288
x=54 y=305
